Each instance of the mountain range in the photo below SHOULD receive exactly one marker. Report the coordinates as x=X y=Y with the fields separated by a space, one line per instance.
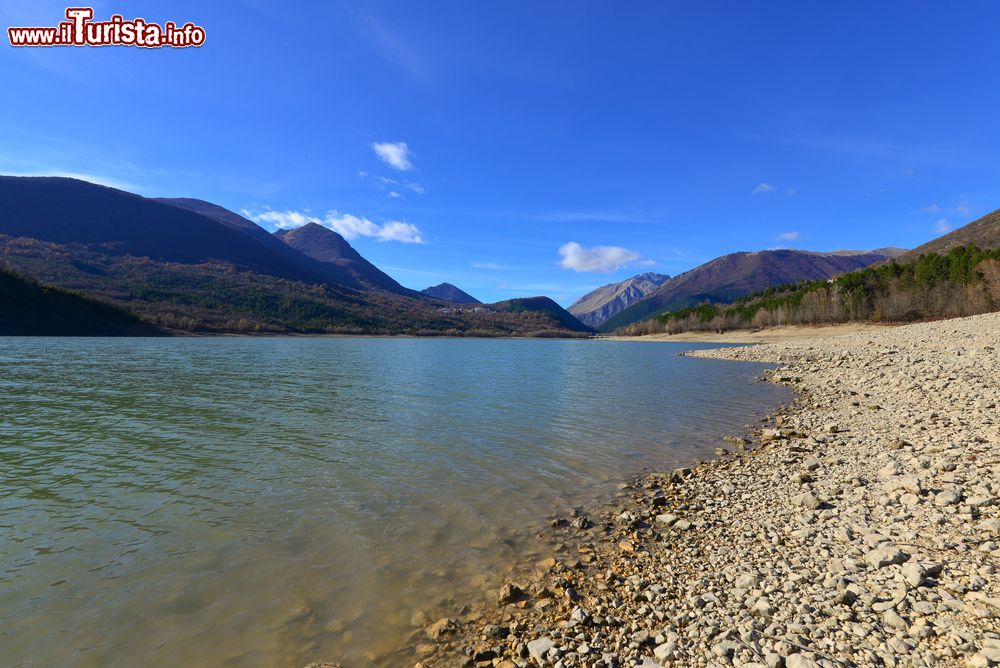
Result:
x=609 y=300
x=190 y=265
x=739 y=274
x=76 y=252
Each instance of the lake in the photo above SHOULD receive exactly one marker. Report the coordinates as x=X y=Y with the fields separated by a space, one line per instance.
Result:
x=275 y=501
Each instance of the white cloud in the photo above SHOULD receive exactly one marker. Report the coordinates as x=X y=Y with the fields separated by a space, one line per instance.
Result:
x=930 y=208
x=394 y=154
x=963 y=207
x=763 y=189
x=942 y=226
x=397 y=230
x=394 y=195
x=604 y=259
x=346 y=225
x=486 y=265
x=283 y=220
x=789 y=236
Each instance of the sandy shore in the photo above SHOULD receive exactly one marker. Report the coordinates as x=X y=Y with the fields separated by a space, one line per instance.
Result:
x=858 y=527
x=774 y=335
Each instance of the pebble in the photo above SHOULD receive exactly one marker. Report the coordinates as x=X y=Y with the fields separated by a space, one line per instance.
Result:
x=861 y=528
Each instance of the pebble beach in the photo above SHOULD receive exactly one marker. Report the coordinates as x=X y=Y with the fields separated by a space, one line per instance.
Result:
x=858 y=526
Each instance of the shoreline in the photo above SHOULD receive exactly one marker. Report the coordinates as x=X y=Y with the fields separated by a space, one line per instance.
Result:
x=760 y=336
x=862 y=533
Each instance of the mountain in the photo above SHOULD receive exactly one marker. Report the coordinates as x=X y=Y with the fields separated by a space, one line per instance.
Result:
x=319 y=270
x=983 y=233
x=69 y=211
x=332 y=250
x=188 y=265
x=597 y=306
x=28 y=308
x=450 y=293
x=739 y=274
x=543 y=306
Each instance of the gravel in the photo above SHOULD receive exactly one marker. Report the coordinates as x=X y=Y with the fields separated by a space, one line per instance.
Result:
x=860 y=526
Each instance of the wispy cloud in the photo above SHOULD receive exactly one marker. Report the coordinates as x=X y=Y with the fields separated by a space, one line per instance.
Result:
x=908 y=153
x=394 y=47
x=597 y=216
x=763 y=189
x=486 y=265
x=347 y=225
x=962 y=207
x=409 y=185
x=789 y=236
x=603 y=259
x=395 y=154
x=942 y=226
x=392 y=187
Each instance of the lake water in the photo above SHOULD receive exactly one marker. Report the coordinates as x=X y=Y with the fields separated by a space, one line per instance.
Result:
x=275 y=501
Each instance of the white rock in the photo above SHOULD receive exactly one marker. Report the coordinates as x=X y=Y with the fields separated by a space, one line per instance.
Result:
x=800 y=661
x=537 y=649
x=884 y=555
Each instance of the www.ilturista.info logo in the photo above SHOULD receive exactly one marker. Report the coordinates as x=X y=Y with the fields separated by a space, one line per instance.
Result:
x=81 y=30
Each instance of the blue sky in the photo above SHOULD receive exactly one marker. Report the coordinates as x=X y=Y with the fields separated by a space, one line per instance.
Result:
x=521 y=148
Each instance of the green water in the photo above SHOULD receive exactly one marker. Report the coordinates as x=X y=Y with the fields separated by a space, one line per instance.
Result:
x=276 y=501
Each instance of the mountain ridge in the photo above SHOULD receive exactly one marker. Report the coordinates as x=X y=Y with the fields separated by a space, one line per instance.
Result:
x=332 y=250
x=191 y=266
x=605 y=302
x=984 y=232
x=735 y=275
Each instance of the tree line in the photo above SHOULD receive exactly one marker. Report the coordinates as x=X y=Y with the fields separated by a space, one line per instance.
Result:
x=965 y=281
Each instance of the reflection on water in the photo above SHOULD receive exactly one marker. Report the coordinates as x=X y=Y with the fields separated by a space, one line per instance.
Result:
x=271 y=501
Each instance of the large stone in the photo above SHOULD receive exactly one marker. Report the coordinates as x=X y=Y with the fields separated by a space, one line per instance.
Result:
x=537 y=649
x=884 y=555
x=509 y=593
x=762 y=606
x=666 y=650
x=946 y=498
x=807 y=500
x=800 y=661
x=667 y=519
x=892 y=619
x=913 y=573
x=910 y=483
x=441 y=628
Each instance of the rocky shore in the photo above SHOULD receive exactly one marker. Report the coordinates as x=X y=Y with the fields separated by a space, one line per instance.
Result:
x=858 y=527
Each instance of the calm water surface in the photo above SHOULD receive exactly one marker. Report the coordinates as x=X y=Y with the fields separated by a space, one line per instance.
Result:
x=275 y=501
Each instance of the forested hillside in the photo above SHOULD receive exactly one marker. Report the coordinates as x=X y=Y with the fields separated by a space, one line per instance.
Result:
x=965 y=281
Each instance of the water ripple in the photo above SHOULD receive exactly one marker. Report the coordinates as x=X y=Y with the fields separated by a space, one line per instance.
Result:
x=266 y=502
